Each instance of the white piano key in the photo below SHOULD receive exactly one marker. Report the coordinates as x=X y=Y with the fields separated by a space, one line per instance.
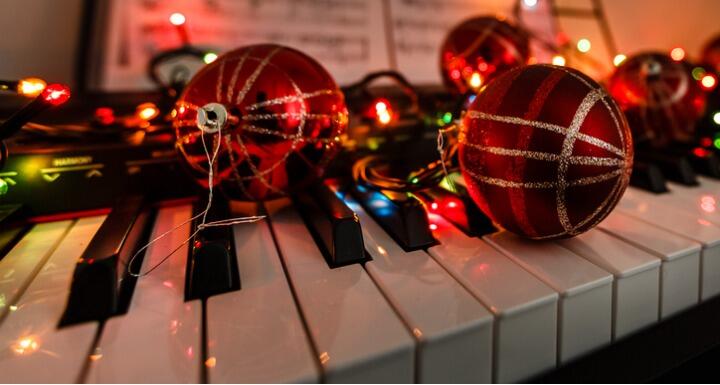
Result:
x=702 y=201
x=255 y=335
x=159 y=339
x=357 y=334
x=34 y=349
x=525 y=309
x=20 y=265
x=680 y=269
x=454 y=331
x=636 y=289
x=683 y=223
x=585 y=315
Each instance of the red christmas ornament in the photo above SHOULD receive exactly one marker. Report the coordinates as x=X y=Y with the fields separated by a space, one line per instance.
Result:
x=286 y=118
x=659 y=96
x=545 y=152
x=479 y=49
x=711 y=54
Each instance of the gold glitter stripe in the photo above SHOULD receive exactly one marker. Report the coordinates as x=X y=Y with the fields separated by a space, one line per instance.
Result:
x=285 y=115
x=290 y=98
x=595 y=178
x=235 y=74
x=613 y=196
x=266 y=131
x=219 y=84
x=545 y=126
x=510 y=184
x=253 y=77
x=484 y=34
x=546 y=156
x=568 y=144
x=604 y=99
x=543 y=185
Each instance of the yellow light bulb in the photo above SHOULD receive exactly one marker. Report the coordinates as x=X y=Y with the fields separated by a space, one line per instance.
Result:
x=31 y=87
x=384 y=117
x=210 y=57
x=716 y=118
x=583 y=45
x=147 y=111
x=558 y=60
x=177 y=19
x=677 y=54
x=618 y=59
x=708 y=81
x=475 y=80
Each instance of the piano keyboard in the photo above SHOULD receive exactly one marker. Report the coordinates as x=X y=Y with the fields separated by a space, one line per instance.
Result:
x=462 y=308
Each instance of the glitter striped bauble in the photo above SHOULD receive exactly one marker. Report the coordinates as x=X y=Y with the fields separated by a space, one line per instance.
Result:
x=660 y=98
x=545 y=152
x=480 y=48
x=287 y=115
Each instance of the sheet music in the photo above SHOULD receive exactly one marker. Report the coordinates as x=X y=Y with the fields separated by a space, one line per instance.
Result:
x=346 y=36
x=349 y=37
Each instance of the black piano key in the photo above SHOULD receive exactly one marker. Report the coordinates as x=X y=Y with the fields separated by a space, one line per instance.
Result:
x=458 y=208
x=400 y=215
x=705 y=162
x=212 y=266
x=334 y=226
x=101 y=286
x=648 y=176
x=674 y=167
x=12 y=226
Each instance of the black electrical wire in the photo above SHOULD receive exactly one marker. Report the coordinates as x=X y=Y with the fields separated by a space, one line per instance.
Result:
x=373 y=171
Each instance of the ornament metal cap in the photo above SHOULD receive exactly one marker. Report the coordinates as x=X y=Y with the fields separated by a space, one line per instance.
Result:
x=212 y=117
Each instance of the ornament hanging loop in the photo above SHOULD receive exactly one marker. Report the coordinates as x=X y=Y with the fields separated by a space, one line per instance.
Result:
x=446 y=152
x=213 y=117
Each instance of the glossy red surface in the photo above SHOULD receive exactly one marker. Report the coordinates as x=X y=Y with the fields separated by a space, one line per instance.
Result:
x=711 y=54
x=288 y=115
x=659 y=96
x=483 y=45
x=545 y=152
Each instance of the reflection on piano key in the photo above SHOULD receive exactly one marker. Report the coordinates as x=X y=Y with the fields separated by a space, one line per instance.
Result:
x=335 y=227
x=23 y=261
x=585 y=291
x=402 y=216
x=678 y=221
x=525 y=309
x=636 y=293
x=256 y=334
x=703 y=200
x=356 y=333
x=158 y=339
x=36 y=350
x=680 y=269
x=454 y=331
x=459 y=209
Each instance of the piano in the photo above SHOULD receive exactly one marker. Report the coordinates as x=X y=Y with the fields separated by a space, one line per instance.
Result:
x=339 y=283
x=630 y=300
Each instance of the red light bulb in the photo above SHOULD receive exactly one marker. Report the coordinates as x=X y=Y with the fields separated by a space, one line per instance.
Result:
x=56 y=94
x=381 y=111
